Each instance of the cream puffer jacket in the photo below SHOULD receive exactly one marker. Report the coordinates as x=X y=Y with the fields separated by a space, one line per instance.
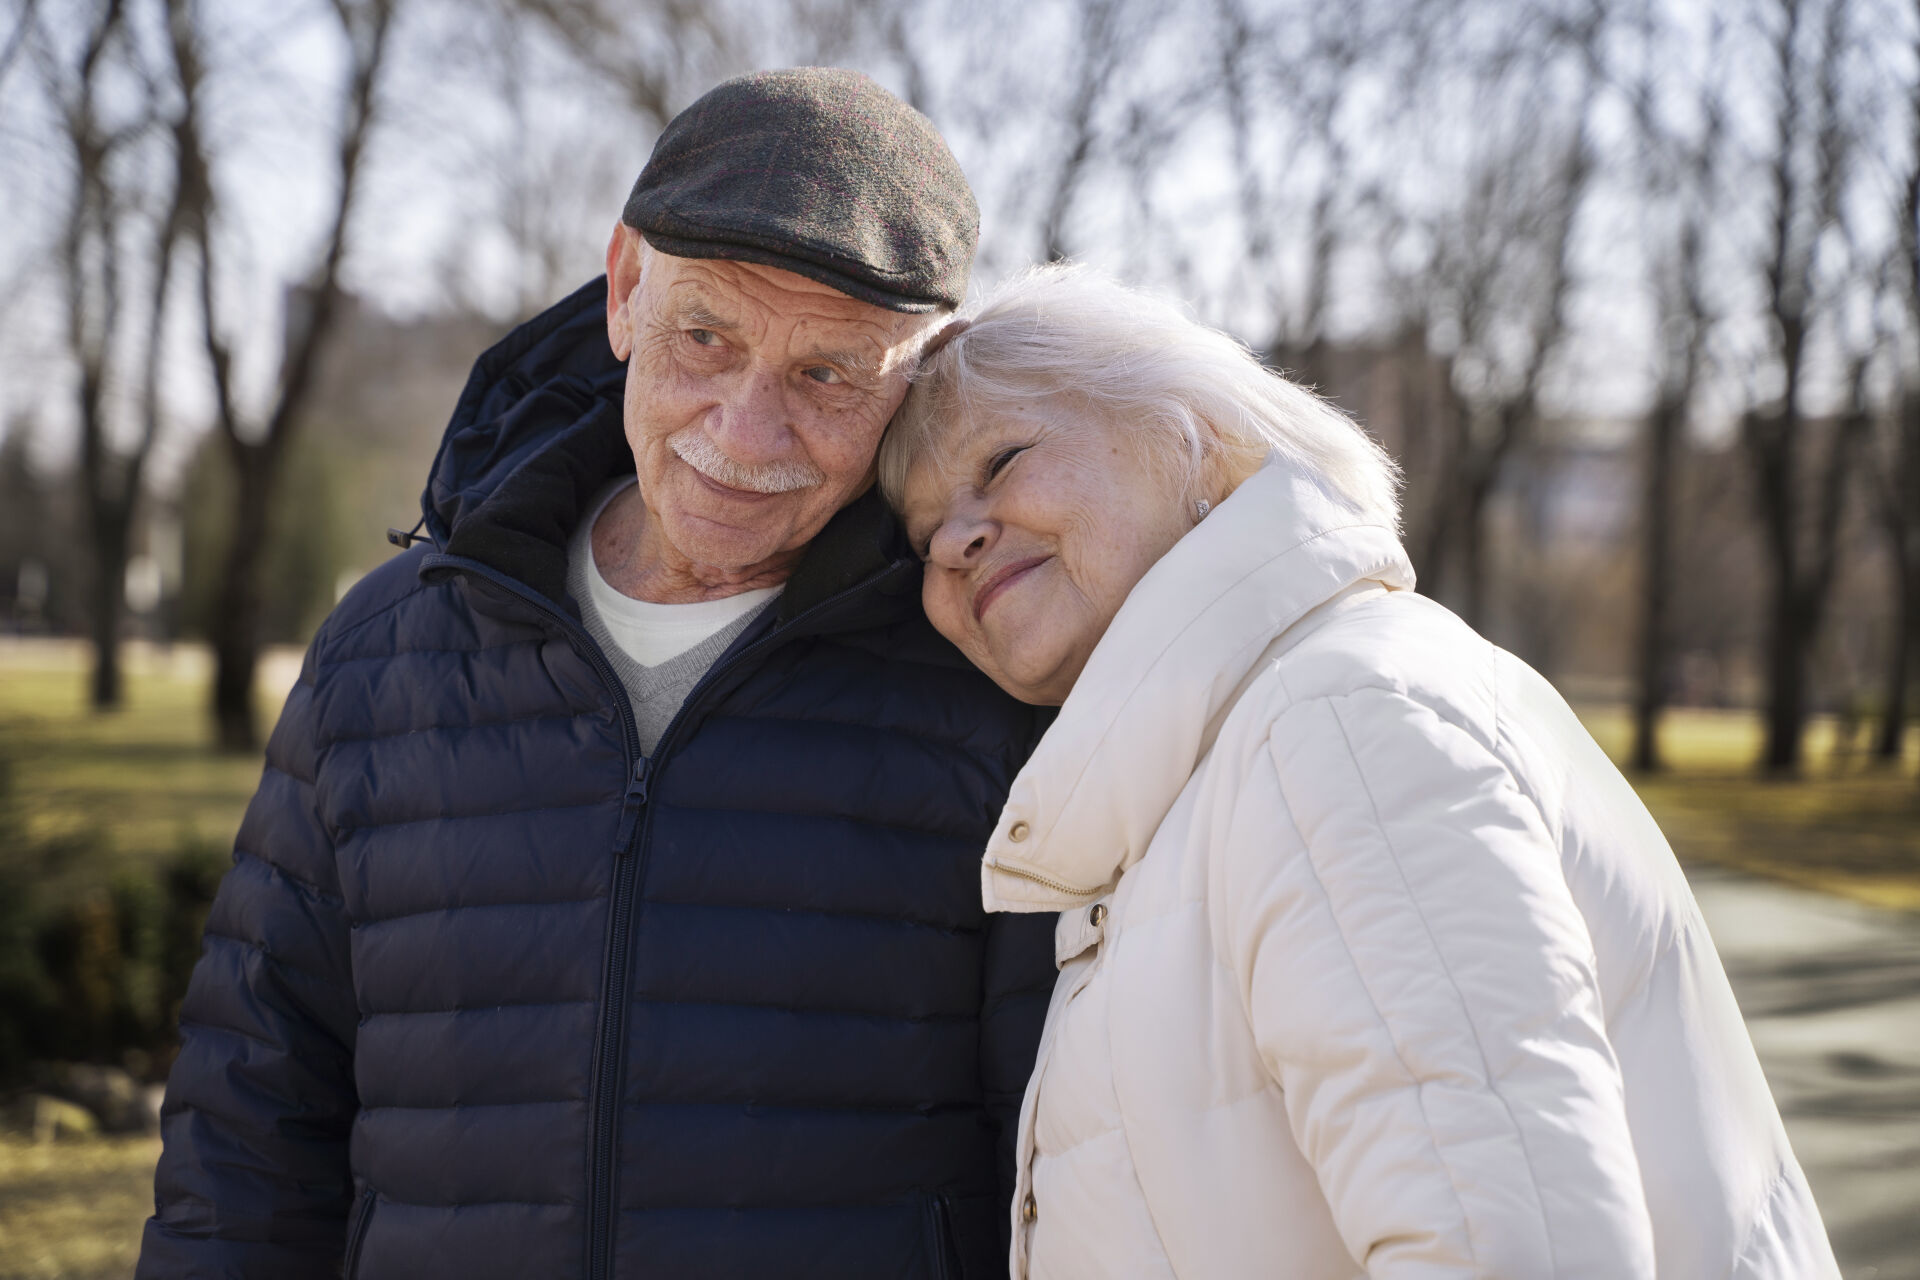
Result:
x=1372 y=962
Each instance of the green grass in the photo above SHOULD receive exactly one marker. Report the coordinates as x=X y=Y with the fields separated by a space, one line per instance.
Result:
x=131 y=786
x=1698 y=742
x=73 y=1209
x=1847 y=827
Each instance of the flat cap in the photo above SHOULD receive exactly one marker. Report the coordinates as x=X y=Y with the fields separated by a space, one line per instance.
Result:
x=818 y=171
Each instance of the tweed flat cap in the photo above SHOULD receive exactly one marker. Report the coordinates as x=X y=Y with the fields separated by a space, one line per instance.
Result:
x=818 y=171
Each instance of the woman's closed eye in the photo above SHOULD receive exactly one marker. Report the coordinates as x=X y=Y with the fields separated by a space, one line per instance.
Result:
x=998 y=461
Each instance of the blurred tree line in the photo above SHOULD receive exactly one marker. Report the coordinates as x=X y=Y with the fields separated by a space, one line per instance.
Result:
x=1630 y=287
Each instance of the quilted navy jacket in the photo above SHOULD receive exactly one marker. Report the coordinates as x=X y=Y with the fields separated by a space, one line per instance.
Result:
x=486 y=993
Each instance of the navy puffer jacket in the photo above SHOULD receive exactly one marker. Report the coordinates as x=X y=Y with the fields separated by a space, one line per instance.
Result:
x=488 y=994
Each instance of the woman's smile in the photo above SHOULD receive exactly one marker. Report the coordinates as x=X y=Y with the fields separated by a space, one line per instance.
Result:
x=1000 y=580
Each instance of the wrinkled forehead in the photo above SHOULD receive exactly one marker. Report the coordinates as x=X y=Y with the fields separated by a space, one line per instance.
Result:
x=765 y=302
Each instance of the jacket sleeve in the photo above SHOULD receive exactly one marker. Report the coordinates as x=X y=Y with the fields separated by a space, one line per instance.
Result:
x=1423 y=987
x=253 y=1177
x=1018 y=982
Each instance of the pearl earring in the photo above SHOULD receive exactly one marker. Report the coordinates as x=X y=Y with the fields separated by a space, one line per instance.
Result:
x=1200 y=509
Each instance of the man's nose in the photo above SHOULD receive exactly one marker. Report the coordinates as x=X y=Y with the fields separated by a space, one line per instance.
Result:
x=750 y=422
x=963 y=539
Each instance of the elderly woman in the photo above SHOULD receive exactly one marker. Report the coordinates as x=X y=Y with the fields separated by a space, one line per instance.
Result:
x=1371 y=963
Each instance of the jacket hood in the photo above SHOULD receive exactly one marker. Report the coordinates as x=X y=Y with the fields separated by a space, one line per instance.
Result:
x=1178 y=653
x=539 y=430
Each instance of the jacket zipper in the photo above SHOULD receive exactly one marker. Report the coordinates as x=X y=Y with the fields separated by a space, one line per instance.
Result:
x=604 y=1090
x=1009 y=868
x=357 y=1234
x=944 y=1245
x=629 y=839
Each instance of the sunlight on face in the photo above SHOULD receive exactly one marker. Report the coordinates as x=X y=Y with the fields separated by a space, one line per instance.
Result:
x=1034 y=531
x=755 y=398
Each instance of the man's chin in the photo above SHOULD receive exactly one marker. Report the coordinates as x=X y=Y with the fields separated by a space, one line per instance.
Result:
x=721 y=539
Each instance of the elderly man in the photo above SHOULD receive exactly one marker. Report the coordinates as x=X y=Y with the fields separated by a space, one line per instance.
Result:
x=609 y=905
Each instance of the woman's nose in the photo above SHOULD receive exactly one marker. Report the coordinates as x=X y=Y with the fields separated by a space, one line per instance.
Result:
x=961 y=540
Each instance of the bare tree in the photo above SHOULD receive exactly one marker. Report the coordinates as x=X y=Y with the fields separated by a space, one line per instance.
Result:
x=578 y=88
x=1898 y=465
x=255 y=447
x=115 y=256
x=1682 y=178
x=1503 y=272
x=1682 y=337
x=1309 y=88
x=545 y=198
x=1898 y=502
x=1098 y=50
x=1805 y=171
x=659 y=56
x=25 y=25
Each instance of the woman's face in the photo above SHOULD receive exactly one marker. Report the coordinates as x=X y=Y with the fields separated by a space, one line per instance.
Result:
x=1033 y=533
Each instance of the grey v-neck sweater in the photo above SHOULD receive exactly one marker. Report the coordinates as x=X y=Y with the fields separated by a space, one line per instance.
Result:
x=657 y=692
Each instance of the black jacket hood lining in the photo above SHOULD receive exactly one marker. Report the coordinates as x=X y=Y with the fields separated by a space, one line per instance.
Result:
x=539 y=430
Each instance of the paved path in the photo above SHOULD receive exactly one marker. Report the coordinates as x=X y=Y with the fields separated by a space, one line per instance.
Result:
x=1831 y=992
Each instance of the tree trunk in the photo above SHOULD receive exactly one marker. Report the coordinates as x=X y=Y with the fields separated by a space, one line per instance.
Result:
x=236 y=623
x=1447 y=503
x=1786 y=711
x=1906 y=632
x=1431 y=547
x=1656 y=580
x=1769 y=440
x=1473 y=562
x=1900 y=514
x=109 y=536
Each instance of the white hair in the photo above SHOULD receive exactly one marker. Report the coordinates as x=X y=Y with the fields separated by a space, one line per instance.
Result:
x=1078 y=345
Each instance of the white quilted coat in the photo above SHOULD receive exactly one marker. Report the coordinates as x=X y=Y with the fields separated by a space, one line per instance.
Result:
x=1372 y=963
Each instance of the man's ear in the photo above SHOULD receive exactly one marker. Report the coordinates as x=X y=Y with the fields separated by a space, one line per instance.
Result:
x=626 y=259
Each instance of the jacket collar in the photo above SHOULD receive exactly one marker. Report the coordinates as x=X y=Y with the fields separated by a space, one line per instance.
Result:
x=1184 y=645
x=539 y=430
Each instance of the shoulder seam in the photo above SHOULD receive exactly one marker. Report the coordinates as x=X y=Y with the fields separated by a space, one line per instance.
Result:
x=334 y=638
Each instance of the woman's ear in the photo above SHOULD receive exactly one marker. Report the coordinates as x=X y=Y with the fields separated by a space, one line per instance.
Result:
x=1225 y=470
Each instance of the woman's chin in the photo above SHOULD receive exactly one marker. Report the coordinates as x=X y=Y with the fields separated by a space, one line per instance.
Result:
x=1043 y=681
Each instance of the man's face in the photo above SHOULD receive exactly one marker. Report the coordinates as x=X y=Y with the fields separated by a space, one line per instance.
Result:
x=755 y=398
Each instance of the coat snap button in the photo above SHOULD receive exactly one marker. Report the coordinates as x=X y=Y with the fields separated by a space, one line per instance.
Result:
x=1029 y=1210
x=1097 y=916
x=1017 y=832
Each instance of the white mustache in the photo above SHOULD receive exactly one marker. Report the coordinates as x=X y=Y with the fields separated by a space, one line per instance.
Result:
x=691 y=446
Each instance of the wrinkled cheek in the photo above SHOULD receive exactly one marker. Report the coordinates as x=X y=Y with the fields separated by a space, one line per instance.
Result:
x=643 y=432
x=945 y=617
x=840 y=445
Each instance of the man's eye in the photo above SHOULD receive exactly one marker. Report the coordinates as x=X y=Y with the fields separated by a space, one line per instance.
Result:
x=705 y=337
x=825 y=376
x=998 y=462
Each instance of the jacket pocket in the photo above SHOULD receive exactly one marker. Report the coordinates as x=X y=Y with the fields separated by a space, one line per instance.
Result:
x=967 y=1238
x=357 y=1232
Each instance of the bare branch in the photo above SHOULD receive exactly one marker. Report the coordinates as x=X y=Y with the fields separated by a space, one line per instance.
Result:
x=17 y=38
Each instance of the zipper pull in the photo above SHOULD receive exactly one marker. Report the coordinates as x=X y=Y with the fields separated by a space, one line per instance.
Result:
x=631 y=805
